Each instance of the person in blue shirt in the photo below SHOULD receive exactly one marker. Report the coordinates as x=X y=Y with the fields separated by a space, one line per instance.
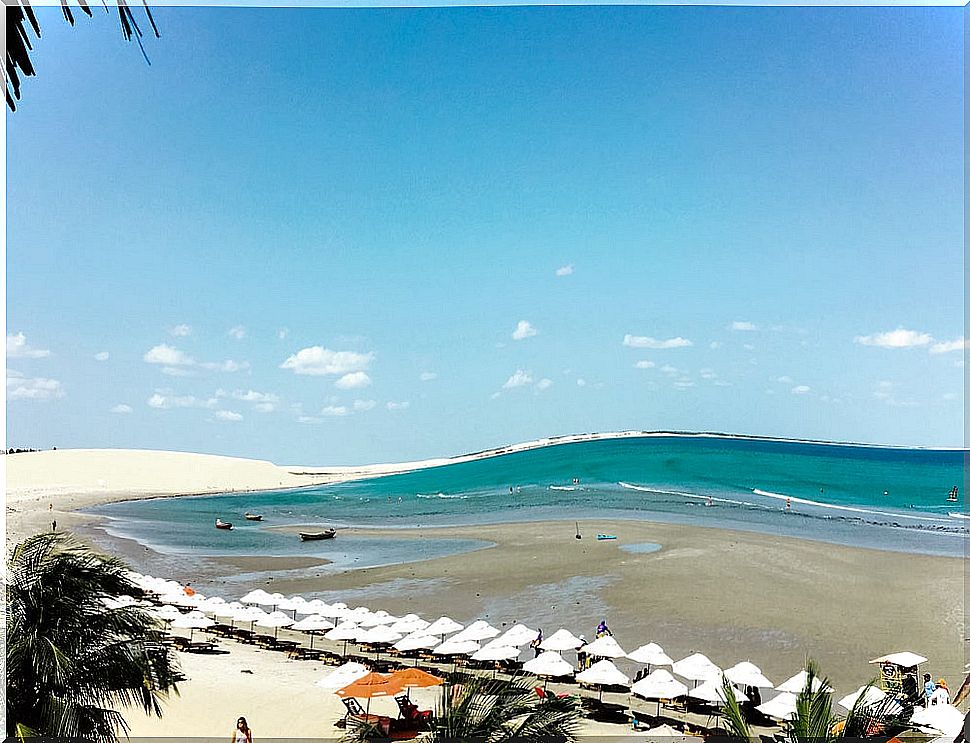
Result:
x=602 y=629
x=928 y=688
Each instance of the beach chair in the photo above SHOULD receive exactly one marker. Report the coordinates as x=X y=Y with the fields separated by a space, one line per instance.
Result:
x=355 y=711
x=411 y=715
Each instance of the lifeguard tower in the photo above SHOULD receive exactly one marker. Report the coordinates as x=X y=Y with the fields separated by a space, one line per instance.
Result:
x=895 y=667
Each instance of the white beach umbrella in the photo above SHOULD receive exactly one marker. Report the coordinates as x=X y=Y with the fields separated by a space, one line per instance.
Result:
x=275 y=599
x=549 y=663
x=167 y=613
x=518 y=635
x=378 y=619
x=651 y=654
x=666 y=731
x=343 y=675
x=712 y=692
x=605 y=647
x=408 y=624
x=561 y=639
x=603 y=673
x=249 y=614
x=478 y=631
x=212 y=604
x=747 y=673
x=870 y=695
x=659 y=685
x=357 y=614
x=258 y=596
x=193 y=621
x=379 y=635
x=464 y=647
x=344 y=631
x=797 y=683
x=338 y=610
x=312 y=624
x=293 y=604
x=941 y=718
x=275 y=620
x=781 y=707
x=181 y=599
x=229 y=609
x=419 y=640
x=444 y=626
x=696 y=667
x=496 y=652
x=906 y=659
x=316 y=606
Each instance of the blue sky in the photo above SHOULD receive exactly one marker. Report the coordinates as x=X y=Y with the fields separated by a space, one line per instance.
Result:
x=342 y=236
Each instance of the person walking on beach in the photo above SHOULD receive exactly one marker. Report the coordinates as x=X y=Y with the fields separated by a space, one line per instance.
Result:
x=928 y=688
x=242 y=733
x=940 y=695
x=536 y=643
x=581 y=656
x=602 y=629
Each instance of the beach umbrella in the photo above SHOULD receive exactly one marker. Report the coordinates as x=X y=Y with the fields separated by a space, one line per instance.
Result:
x=379 y=635
x=213 y=604
x=666 y=731
x=259 y=596
x=797 y=683
x=167 y=613
x=192 y=621
x=338 y=610
x=464 y=647
x=561 y=639
x=343 y=675
x=869 y=695
x=316 y=606
x=415 y=678
x=275 y=599
x=549 y=664
x=181 y=599
x=518 y=635
x=419 y=640
x=781 y=707
x=344 y=631
x=746 y=673
x=275 y=620
x=477 y=631
x=941 y=718
x=372 y=685
x=294 y=604
x=605 y=647
x=906 y=659
x=603 y=673
x=696 y=667
x=491 y=651
x=659 y=685
x=650 y=655
x=410 y=623
x=444 y=626
x=357 y=614
x=249 y=614
x=311 y=624
x=712 y=692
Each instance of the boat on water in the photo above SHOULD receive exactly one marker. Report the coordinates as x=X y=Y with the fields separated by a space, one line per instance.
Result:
x=253 y=516
x=601 y=537
x=220 y=524
x=952 y=497
x=309 y=536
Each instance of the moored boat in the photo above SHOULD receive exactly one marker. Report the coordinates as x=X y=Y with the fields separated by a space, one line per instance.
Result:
x=605 y=536
x=220 y=524
x=309 y=536
x=253 y=516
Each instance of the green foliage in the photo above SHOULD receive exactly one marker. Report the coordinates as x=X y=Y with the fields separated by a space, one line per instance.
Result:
x=70 y=658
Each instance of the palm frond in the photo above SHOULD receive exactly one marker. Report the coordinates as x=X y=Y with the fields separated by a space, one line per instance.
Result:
x=733 y=716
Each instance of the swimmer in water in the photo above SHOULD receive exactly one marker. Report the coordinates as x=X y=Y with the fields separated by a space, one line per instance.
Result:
x=710 y=501
x=787 y=504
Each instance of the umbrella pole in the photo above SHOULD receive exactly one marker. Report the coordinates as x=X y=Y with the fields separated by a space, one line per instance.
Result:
x=311 y=640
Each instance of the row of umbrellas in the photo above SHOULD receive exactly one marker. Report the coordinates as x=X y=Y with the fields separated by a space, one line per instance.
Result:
x=484 y=642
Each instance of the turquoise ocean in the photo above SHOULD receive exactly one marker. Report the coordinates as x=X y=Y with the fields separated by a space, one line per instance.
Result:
x=878 y=497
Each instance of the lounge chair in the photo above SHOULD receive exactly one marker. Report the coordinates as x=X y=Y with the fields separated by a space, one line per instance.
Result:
x=354 y=710
x=411 y=716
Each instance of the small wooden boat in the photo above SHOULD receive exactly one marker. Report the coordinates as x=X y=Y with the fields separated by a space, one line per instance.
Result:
x=952 y=497
x=220 y=524
x=253 y=516
x=601 y=537
x=309 y=536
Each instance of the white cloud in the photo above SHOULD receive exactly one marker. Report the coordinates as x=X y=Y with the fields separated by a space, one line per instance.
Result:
x=580 y=382
x=714 y=345
x=180 y=331
x=167 y=355
x=319 y=361
x=644 y=365
x=495 y=395
x=251 y=396
x=398 y=405
x=519 y=379
x=353 y=381
x=308 y=419
x=17 y=348
x=238 y=332
x=20 y=387
x=707 y=374
x=226 y=366
x=543 y=384
x=721 y=383
x=164 y=401
x=228 y=415
x=668 y=369
x=121 y=409
x=564 y=270
x=683 y=384
x=335 y=410
x=523 y=330
x=743 y=325
x=802 y=389
x=428 y=376
x=364 y=404
x=102 y=356
x=264 y=407
x=643 y=341
x=960 y=344
x=282 y=333
x=177 y=371
x=899 y=338
x=784 y=380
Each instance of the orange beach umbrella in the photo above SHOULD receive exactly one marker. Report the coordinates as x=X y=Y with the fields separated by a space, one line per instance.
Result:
x=374 y=684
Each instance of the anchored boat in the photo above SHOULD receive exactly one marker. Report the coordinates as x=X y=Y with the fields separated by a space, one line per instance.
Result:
x=220 y=524
x=309 y=536
x=253 y=516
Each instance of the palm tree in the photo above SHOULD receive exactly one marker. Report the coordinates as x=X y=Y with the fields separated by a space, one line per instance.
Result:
x=815 y=720
x=72 y=661
x=491 y=710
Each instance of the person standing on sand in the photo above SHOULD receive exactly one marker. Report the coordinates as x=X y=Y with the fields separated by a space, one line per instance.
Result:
x=242 y=733
x=536 y=643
